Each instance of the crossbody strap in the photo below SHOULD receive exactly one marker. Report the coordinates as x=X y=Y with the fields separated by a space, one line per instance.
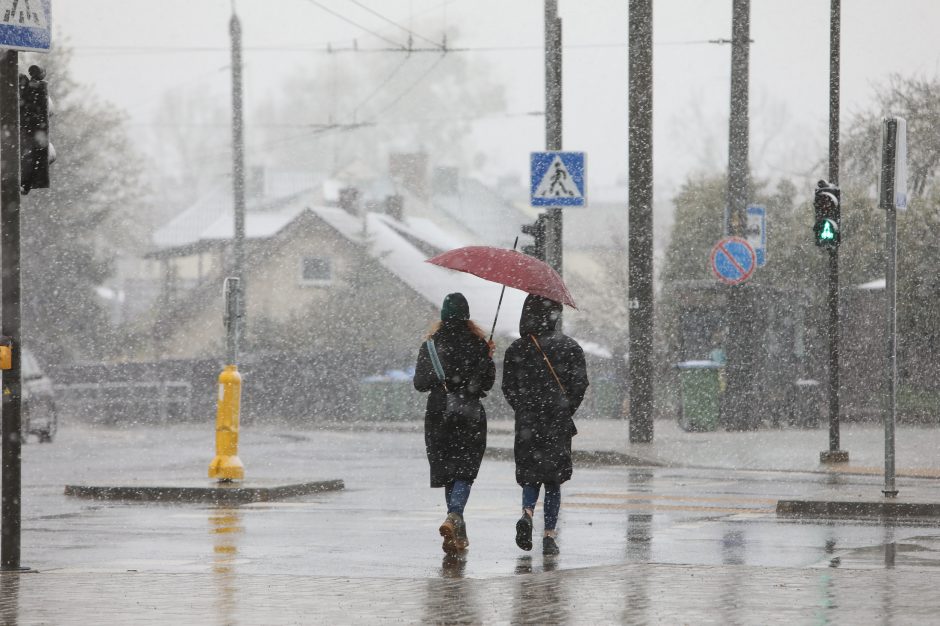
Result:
x=549 y=364
x=436 y=362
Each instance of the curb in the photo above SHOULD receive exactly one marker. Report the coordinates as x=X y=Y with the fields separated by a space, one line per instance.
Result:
x=228 y=494
x=843 y=508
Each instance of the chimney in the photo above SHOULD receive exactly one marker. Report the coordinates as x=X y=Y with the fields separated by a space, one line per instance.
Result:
x=410 y=169
x=349 y=200
x=395 y=207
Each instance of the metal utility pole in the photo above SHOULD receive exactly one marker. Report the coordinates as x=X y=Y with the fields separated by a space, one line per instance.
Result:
x=553 y=125
x=740 y=351
x=893 y=185
x=834 y=454
x=10 y=510
x=226 y=466
x=640 y=221
x=238 y=167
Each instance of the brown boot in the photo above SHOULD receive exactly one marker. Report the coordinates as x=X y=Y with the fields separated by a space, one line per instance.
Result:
x=449 y=531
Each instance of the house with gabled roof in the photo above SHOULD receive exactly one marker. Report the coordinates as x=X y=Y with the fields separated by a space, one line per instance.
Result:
x=320 y=274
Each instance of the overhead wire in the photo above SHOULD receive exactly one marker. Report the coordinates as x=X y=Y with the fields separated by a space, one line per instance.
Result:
x=388 y=79
x=410 y=87
x=356 y=24
x=396 y=24
x=398 y=48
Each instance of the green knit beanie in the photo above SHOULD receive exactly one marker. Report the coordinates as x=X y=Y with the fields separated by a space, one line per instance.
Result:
x=455 y=307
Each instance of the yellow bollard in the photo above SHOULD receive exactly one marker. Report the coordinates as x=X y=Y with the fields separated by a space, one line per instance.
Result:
x=226 y=465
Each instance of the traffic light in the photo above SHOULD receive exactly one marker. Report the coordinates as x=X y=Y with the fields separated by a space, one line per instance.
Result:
x=827 y=214
x=35 y=150
x=537 y=230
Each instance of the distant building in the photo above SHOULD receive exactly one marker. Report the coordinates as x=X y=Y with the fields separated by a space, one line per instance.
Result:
x=327 y=266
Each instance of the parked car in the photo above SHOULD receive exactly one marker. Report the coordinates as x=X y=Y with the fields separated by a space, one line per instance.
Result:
x=40 y=417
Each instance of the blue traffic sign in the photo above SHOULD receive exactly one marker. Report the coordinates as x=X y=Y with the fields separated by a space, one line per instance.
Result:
x=557 y=179
x=26 y=25
x=733 y=260
x=755 y=226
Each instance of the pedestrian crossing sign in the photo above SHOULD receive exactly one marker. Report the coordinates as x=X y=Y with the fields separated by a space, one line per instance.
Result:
x=25 y=25
x=557 y=179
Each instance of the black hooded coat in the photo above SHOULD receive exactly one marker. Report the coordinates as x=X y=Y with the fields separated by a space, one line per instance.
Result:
x=454 y=451
x=544 y=413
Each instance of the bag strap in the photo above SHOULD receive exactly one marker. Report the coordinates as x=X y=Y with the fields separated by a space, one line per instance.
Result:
x=436 y=362
x=549 y=364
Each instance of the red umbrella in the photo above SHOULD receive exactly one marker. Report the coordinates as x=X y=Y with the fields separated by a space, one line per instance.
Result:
x=509 y=268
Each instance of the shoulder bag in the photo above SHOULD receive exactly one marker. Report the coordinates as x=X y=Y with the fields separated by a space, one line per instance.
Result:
x=460 y=407
x=564 y=392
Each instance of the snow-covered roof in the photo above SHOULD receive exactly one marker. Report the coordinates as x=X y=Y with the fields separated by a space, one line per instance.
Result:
x=280 y=191
x=258 y=225
x=407 y=262
x=490 y=217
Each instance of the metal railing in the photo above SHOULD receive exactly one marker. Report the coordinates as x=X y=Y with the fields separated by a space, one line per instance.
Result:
x=116 y=402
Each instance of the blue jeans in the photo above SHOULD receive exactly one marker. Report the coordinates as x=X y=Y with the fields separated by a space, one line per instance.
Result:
x=552 y=504
x=457 y=494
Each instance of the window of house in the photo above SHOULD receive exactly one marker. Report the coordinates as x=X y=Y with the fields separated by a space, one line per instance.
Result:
x=316 y=270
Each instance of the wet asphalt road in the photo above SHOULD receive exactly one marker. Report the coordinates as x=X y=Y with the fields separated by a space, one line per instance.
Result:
x=682 y=545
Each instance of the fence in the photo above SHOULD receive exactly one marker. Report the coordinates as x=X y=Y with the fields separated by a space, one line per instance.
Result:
x=162 y=402
x=326 y=386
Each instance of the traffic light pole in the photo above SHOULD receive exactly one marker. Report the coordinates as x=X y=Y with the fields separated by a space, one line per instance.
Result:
x=640 y=221
x=553 y=126
x=833 y=327
x=12 y=403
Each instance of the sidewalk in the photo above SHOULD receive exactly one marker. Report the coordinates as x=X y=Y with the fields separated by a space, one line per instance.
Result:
x=917 y=457
x=917 y=449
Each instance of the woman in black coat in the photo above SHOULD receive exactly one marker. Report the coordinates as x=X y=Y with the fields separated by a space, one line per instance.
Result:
x=455 y=446
x=544 y=380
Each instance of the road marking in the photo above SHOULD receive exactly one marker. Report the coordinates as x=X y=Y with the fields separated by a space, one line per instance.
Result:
x=914 y=472
x=647 y=506
x=649 y=496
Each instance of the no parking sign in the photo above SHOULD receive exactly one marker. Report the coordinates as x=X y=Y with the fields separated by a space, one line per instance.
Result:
x=733 y=260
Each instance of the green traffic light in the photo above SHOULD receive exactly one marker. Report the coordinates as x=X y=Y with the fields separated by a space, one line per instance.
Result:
x=827 y=233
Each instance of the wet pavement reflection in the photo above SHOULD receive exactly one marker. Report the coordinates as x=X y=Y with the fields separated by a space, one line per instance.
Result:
x=638 y=545
x=10 y=598
x=225 y=528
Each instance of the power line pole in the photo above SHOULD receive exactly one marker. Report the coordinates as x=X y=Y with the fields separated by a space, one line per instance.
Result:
x=834 y=454
x=238 y=171
x=740 y=349
x=11 y=514
x=640 y=218
x=553 y=126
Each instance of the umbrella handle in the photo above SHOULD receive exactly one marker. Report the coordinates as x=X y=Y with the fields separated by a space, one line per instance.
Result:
x=502 y=291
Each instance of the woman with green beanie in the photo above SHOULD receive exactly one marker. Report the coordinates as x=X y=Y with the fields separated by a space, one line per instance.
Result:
x=456 y=359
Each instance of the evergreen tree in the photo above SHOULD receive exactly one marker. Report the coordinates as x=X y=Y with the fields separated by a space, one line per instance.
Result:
x=72 y=232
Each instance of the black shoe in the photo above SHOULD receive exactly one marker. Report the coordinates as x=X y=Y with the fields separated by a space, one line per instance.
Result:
x=524 y=532
x=549 y=547
x=461 y=541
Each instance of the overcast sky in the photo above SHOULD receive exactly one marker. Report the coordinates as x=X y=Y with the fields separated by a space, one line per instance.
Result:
x=134 y=51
